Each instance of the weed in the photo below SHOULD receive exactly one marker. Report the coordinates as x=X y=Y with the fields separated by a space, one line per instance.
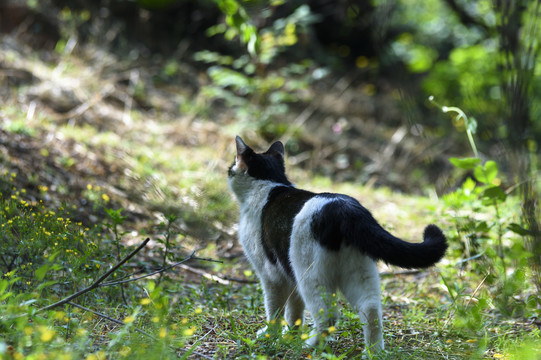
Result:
x=259 y=96
x=491 y=272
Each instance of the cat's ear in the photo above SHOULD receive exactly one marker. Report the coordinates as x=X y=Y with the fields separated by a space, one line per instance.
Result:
x=241 y=146
x=242 y=151
x=277 y=147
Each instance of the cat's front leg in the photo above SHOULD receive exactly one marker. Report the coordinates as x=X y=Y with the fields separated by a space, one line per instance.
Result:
x=275 y=297
x=261 y=332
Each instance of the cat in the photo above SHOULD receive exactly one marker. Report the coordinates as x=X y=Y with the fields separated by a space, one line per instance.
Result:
x=305 y=246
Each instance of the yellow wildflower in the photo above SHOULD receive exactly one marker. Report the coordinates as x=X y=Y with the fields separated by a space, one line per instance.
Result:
x=125 y=351
x=190 y=331
x=47 y=334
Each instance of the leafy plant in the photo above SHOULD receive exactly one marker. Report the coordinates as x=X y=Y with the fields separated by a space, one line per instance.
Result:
x=259 y=93
x=488 y=239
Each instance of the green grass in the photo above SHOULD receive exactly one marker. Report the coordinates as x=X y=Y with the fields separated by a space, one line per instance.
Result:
x=52 y=257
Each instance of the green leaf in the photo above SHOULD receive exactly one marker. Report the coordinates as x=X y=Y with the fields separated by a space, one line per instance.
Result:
x=421 y=58
x=42 y=270
x=46 y=284
x=187 y=354
x=237 y=21
x=468 y=185
x=519 y=230
x=229 y=7
x=486 y=173
x=482 y=227
x=3 y=285
x=226 y=77
x=467 y=163
x=495 y=193
x=28 y=302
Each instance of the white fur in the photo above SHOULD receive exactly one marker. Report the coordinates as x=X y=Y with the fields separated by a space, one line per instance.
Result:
x=319 y=272
x=252 y=195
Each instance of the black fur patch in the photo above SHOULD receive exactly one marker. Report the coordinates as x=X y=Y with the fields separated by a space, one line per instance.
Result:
x=266 y=166
x=341 y=220
x=283 y=204
x=345 y=220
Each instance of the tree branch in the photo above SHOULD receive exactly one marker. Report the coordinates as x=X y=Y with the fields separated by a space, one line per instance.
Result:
x=96 y=283
x=190 y=257
x=465 y=18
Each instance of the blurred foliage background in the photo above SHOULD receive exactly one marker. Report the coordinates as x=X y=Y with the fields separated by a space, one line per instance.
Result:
x=345 y=83
x=355 y=89
x=263 y=59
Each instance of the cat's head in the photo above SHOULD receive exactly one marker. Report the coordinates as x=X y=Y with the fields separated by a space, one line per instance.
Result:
x=249 y=166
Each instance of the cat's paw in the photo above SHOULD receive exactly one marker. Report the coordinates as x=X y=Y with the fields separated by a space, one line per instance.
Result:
x=262 y=332
x=375 y=349
x=371 y=354
x=314 y=339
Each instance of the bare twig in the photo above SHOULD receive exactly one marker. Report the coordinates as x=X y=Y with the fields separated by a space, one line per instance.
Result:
x=190 y=257
x=116 y=321
x=476 y=290
x=239 y=280
x=397 y=273
x=205 y=274
x=96 y=283
x=466 y=18
x=81 y=109
x=150 y=274
x=105 y=317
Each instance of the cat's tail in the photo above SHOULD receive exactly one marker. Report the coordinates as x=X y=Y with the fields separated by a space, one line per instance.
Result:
x=344 y=219
x=405 y=254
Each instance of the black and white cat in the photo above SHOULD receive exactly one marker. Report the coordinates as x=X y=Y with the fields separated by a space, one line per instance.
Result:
x=304 y=246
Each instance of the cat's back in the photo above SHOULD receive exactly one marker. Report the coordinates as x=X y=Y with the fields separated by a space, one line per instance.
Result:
x=283 y=203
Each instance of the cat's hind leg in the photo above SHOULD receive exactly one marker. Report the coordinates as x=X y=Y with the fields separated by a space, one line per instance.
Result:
x=294 y=308
x=319 y=301
x=364 y=295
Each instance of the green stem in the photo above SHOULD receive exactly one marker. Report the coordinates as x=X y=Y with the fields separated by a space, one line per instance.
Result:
x=461 y=114
x=500 y=241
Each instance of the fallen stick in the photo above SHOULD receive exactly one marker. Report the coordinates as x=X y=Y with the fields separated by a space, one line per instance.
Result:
x=205 y=274
x=190 y=257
